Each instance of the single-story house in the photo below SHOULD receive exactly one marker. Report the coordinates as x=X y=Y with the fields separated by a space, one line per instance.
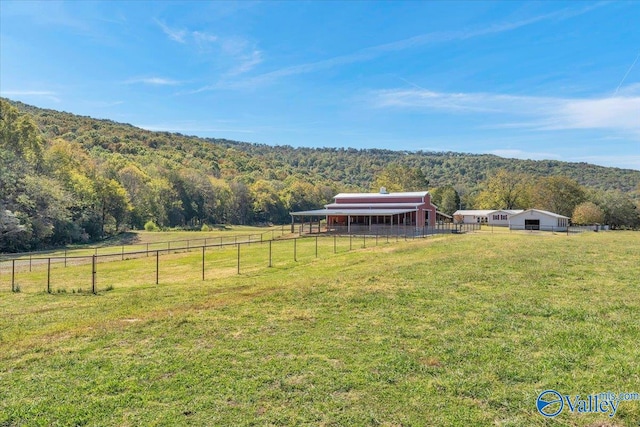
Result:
x=498 y=217
x=366 y=211
x=536 y=219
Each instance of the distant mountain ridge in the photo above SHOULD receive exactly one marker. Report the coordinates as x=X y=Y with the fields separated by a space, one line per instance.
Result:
x=347 y=167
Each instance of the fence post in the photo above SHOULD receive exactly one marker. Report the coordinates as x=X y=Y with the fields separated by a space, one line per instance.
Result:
x=13 y=275
x=30 y=263
x=122 y=253
x=65 y=258
x=49 y=275
x=147 y=250
x=93 y=274
x=295 y=255
x=157 y=265
x=238 y=246
x=203 y=262
x=364 y=240
x=334 y=244
x=316 y=246
x=350 y=239
x=270 y=264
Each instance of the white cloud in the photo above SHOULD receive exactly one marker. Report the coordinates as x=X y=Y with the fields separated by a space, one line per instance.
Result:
x=158 y=81
x=201 y=37
x=620 y=113
x=174 y=34
x=373 y=52
x=626 y=162
x=184 y=36
x=53 y=96
x=248 y=62
x=243 y=55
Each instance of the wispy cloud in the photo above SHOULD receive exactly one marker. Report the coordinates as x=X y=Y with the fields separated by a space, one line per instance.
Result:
x=53 y=96
x=536 y=113
x=184 y=36
x=104 y=104
x=177 y=35
x=374 y=52
x=157 y=81
x=627 y=161
x=240 y=52
x=202 y=37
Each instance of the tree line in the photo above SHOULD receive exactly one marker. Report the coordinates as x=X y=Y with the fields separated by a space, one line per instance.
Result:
x=558 y=194
x=67 y=178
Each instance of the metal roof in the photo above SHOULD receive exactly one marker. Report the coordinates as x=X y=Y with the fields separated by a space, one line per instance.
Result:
x=372 y=205
x=485 y=212
x=382 y=195
x=540 y=211
x=353 y=212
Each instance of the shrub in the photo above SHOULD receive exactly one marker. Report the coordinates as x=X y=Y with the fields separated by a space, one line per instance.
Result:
x=205 y=227
x=151 y=226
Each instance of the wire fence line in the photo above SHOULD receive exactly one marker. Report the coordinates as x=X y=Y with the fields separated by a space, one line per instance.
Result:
x=241 y=253
x=178 y=244
x=49 y=274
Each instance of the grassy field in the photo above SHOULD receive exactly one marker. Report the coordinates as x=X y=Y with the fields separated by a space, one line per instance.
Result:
x=456 y=330
x=144 y=240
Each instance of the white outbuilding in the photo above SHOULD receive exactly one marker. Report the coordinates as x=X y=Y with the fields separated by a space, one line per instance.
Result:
x=536 y=219
x=485 y=216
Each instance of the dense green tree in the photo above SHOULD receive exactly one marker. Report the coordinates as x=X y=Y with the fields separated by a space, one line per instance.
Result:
x=67 y=178
x=619 y=210
x=400 y=177
x=505 y=190
x=113 y=205
x=587 y=213
x=19 y=133
x=558 y=194
x=267 y=205
x=240 y=205
x=446 y=198
x=14 y=236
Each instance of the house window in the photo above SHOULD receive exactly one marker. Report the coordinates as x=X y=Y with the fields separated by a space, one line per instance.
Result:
x=496 y=217
x=503 y=217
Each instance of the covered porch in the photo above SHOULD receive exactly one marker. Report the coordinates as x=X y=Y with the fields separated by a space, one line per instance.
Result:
x=380 y=221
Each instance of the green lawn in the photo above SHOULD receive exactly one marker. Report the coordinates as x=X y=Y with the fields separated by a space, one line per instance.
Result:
x=145 y=240
x=457 y=330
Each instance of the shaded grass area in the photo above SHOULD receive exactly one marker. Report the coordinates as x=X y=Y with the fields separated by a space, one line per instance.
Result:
x=448 y=331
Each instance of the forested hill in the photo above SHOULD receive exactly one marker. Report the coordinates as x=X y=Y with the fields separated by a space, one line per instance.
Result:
x=66 y=178
x=343 y=167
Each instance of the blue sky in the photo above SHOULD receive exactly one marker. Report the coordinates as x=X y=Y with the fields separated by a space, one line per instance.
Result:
x=540 y=80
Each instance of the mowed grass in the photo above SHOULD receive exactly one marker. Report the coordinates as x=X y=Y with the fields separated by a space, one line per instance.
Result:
x=136 y=241
x=456 y=330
